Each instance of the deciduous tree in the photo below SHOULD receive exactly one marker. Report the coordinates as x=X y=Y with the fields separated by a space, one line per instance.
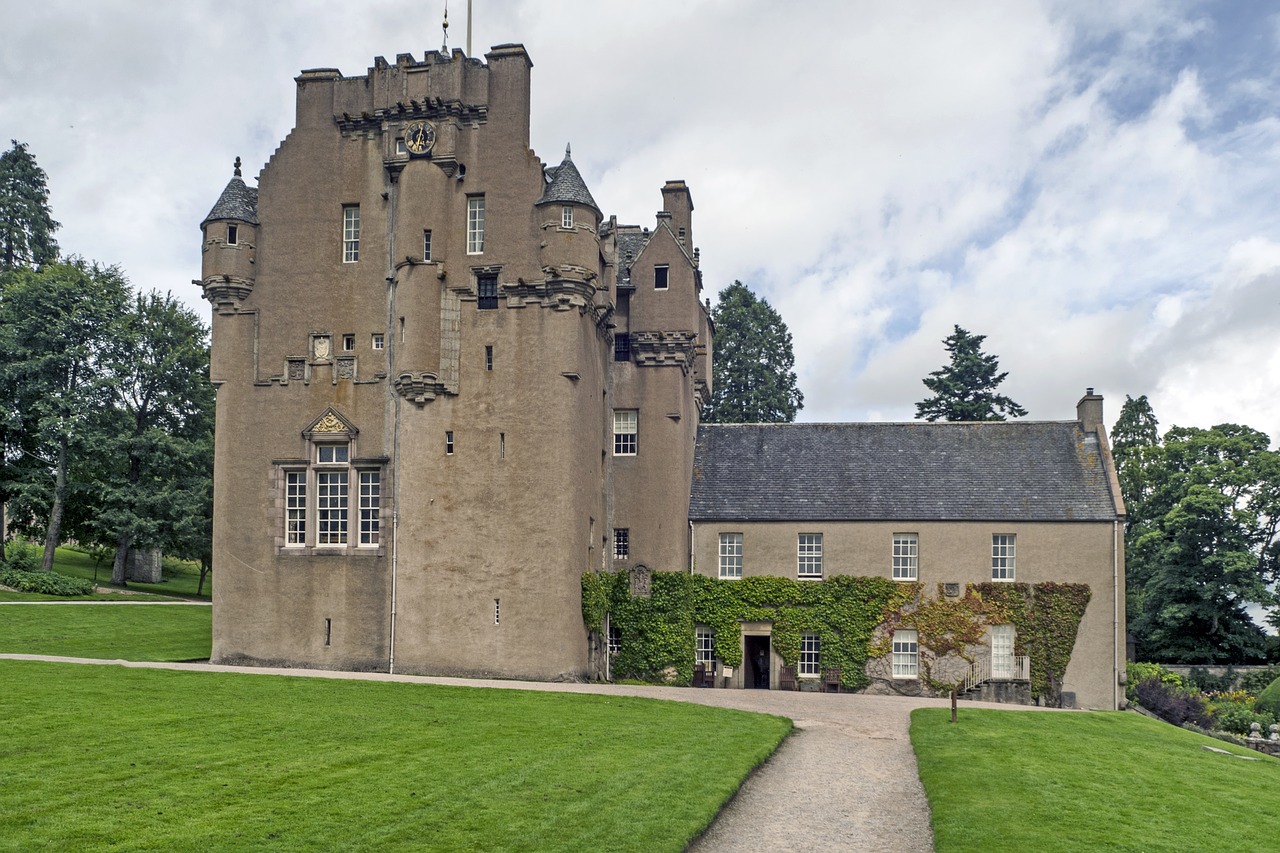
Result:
x=965 y=389
x=753 y=376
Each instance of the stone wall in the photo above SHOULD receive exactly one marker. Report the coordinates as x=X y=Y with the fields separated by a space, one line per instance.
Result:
x=143 y=566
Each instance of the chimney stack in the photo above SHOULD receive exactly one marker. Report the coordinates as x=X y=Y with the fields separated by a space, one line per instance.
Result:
x=1089 y=411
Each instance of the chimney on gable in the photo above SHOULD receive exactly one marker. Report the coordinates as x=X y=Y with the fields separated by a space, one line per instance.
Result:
x=677 y=201
x=1089 y=411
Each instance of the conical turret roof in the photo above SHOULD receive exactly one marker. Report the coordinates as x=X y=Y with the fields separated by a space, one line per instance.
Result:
x=238 y=201
x=567 y=186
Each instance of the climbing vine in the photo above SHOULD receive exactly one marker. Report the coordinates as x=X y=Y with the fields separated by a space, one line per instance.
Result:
x=853 y=616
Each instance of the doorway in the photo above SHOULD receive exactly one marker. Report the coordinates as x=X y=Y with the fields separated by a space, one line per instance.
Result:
x=755 y=662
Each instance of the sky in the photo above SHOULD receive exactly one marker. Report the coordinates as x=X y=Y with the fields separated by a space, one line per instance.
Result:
x=1093 y=186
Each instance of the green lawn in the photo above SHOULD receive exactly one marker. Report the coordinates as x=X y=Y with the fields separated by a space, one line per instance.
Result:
x=180 y=578
x=1018 y=781
x=212 y=761
x=164 y=632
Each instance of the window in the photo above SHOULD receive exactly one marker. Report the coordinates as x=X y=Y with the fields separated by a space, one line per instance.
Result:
x=295 y=497
x=615 y=640
x=705 y=648
x=350 y=233
x=809 y=555
x=502 y=445
x=475 y=224
x=566 y=217
x=621 y=347
x=497 y=611
x=426 y=245
x=621 y=543
x=906 y=654
x=378 y=342
x=810 y=654
x=370 y=507
x=1002 y=556
x=401 y=150
x=906 y=550
x=488 y=358
x=448 y=442
x=331 y=507
x=730 y=555
x=660 y=277
x=625 y=422
x=332 y=454
x=487 y=291
x=233 y=234
x=348 y=343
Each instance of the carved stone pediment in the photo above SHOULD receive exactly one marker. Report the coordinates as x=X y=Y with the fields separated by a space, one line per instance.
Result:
x=330 y=424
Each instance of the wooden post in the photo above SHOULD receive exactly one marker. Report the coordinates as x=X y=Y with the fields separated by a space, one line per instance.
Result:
x=953 y=704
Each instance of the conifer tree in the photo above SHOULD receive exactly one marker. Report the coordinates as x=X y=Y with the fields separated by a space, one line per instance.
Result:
x=965 y=390
x=26 y=228
x=753 y=380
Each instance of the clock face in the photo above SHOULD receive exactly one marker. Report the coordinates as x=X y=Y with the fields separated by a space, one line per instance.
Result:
x=419 y=137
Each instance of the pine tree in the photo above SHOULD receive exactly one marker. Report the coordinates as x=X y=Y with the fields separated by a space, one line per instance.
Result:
x=964 y=390
x=753 y=380
x=26 y=228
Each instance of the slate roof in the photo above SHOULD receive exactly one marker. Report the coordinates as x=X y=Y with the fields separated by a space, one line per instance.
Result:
x=238 y=201
x=1000 y=471
x=567 y=186
x=631 y=242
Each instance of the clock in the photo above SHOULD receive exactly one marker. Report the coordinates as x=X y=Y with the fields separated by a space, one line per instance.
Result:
x=419 y=137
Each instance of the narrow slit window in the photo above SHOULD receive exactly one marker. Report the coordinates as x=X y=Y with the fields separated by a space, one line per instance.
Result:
x=488 y=358
x=426 y=245
x=350 y=233
x=233 y=235
x=475 y=225
x=448 y=442
x=502 y=445
x=566 y=217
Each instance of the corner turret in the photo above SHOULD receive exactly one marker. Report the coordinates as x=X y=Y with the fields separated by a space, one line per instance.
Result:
x=230 y=245
x=570 y=219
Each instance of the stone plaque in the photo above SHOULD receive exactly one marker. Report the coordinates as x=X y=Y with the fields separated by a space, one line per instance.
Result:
x=346 y=368
x=951 y=590
x=641 y=579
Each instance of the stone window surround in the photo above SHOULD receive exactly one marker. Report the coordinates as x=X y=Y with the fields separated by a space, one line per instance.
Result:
x=626 y=432
x=309 y=466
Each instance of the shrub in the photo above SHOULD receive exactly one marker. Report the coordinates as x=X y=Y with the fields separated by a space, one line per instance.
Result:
x=1269 y=699
x=1136 y=673
x=21 y=556
x=1237 y=716
x=1210 y=683
x=45 y=583
x=1255 y=682
x=1172 y=704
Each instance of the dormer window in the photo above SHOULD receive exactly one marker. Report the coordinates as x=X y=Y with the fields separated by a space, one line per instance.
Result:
x=233 y=235
x=566 y=217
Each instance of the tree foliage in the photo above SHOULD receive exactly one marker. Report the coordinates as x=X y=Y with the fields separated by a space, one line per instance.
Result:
x=26 y=226
x=59 y=326
x=1201 y=544
x=965 y=389
x=753 y=376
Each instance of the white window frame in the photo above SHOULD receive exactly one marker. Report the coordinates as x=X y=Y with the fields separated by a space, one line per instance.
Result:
x=333 y=501
x=475 y=225
x=906 y=556
x=731 y=556
x=378 y=341
x=1004 y=556
x=906 y=653
x=704 y=647
x=566 y=217
x=661 y=277
x=233 y=234
x=810 y=663
x=621 y=543
x=370 y=507
x=614 y=640
x=348 y=343
x=626 y=432
x=401 y=149
x=295 y=513
x=350 y=233
x=426 y=244
x=809 y=555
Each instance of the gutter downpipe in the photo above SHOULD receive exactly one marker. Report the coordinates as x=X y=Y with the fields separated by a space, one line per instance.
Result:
x=691 y=546
x=1115 y=616
x=395 y=534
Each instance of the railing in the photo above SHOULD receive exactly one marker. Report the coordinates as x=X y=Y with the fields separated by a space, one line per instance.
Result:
x=1009 y=669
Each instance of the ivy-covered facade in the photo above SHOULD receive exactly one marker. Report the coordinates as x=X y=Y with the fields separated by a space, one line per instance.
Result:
x=912 y=558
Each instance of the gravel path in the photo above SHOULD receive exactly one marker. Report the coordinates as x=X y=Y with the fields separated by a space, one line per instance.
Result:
x=845 y=780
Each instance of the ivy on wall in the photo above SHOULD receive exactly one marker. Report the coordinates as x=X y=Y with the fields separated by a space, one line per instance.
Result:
x=853 y=616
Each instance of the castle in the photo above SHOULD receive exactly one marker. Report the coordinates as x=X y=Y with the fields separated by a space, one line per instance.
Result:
x=449 y=386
